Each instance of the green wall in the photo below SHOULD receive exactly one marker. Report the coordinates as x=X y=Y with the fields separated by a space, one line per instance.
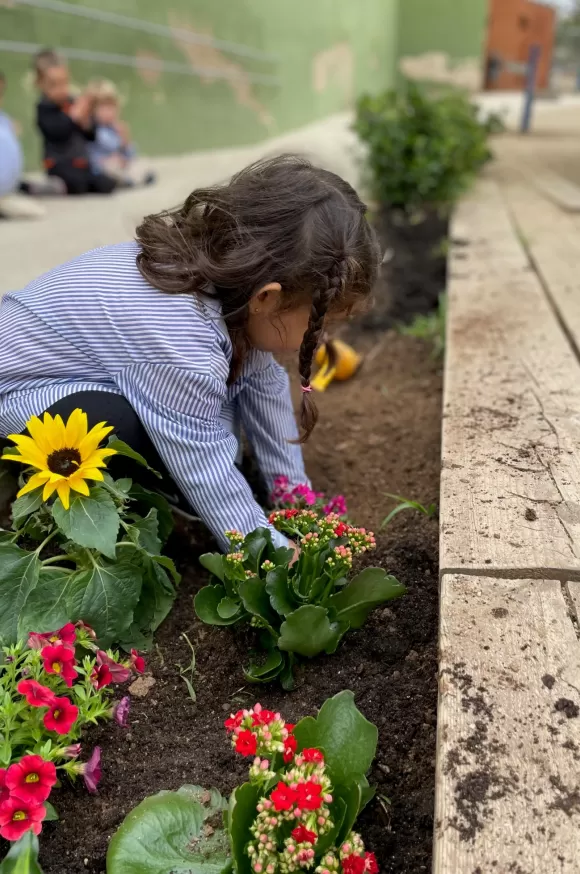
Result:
x=328 y=52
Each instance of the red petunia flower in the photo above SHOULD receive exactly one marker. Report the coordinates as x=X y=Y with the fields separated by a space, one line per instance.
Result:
x=119 y=673
x=312 y=755
x=235 y=720
x=353 y=864
x=66 y=634
x=283 y=797
x=73 y=751
x=309 y=795
x=31 y=779
x=137 y=661
x=91 y=771
x=36 y=694
x=101 y=676
x=371 y=864
x=61 y=716
x=59 y=659
x=303 y=836
x=18 y=817
x=4 y=792
x=290 y=745
x=246 y=743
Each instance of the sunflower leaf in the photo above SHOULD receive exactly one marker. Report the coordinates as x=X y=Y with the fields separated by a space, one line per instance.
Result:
x=122 y=448
x=46 y=606
x=27 y=504
x=90 y=521
x=19 y=572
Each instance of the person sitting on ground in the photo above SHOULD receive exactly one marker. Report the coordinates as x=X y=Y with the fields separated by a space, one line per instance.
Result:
x=112 y=151
x=67 y=126
x=12 y=204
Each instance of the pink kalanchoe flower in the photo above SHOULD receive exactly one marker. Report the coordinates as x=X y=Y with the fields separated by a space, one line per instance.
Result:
x=91 y=771
x=119 y=673
x=121 y=711
x=336 y=505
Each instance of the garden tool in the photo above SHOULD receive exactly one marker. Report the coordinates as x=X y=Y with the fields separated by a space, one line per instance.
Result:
x=336 y=361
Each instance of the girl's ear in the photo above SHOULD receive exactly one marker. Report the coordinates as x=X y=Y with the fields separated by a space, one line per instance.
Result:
x=267 y=299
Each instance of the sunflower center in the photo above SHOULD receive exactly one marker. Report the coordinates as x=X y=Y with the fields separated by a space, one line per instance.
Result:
x=64 y=461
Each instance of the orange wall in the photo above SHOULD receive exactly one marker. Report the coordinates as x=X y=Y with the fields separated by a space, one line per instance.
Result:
x=515 y=25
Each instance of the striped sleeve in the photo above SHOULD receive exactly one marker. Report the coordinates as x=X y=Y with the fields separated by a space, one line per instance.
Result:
x=180 y=410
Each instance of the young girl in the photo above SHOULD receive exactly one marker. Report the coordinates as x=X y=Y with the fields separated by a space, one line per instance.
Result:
x=170 y=339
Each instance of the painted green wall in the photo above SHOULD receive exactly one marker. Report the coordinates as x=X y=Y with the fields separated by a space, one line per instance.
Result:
x=328 y=50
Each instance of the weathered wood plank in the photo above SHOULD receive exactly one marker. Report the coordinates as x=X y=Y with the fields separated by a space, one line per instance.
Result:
x=573 y=592
x=510 y=492
x=552 y=238
x=560 y=191
x=508 y=761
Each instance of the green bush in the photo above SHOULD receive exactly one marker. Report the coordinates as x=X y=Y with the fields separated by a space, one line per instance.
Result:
x=422 y=150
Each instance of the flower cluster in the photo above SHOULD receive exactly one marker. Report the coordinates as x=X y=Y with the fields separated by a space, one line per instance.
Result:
x=293 y=816
x=285 y=496
x=315 y=531
x=49 y=691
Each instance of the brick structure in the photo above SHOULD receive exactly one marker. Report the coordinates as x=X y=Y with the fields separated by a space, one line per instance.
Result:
x=514 y=26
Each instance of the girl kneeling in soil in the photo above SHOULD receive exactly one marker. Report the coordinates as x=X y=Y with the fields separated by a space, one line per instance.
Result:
x=170 y=338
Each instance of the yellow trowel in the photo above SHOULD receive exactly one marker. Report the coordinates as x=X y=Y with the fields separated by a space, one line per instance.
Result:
x=336 y=360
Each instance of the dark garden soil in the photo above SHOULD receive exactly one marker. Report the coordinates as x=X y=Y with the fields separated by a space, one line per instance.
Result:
x=378 y=433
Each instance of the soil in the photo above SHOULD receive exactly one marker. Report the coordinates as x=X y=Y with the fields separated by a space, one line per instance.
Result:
x=378 y=433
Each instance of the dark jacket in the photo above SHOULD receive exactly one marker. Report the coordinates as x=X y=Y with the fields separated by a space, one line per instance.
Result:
x=65 y=142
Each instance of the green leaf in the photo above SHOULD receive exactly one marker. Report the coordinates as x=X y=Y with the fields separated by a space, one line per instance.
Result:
x=268 y=670
x=214 y=563
x=147 y=498
x=308 y=631
x=367 y=793
x=338 y=813
x=227 y=608
x=167 y=834
x=169 y=565
x=19 y=572
x=51 y=814
x=351 y=796
x=348 y=739
x=256 y=600
x=27 y=504
x=145 y=532
x=206 y=604
x=90 y=521
x=254 y=545
x=106 y=595
x=277 y=588
x=122 y=448
x=156 y=598
x=241 y=815
x=406 y=504
x=46 y=608
x=373 y=586
x=22 y=857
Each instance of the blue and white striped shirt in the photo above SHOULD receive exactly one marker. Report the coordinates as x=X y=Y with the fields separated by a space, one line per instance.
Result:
x=96 y=324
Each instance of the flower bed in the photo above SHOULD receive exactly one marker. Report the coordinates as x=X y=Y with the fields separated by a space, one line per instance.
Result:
x=379 y=433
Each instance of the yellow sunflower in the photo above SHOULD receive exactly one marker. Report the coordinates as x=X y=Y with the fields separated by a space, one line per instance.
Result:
x=65 y=456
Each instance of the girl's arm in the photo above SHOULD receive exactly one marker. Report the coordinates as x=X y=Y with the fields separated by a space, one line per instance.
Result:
x=268 y=418
x=180 y=410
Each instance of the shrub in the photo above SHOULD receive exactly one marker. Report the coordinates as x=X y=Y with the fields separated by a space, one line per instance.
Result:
x=307 y=785
x=302 y=608
x=422 y=150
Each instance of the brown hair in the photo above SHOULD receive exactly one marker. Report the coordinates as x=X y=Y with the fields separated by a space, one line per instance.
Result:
x=279 y=220
x=45 y=59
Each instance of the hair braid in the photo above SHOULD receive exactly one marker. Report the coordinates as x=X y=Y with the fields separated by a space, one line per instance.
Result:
x=322 y=299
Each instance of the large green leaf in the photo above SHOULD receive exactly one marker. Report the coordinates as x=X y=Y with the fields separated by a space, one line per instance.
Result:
x=254 y=545
x=348 y=739
x=206 y=604
x=256 y=600
x=147 y=498
x=352 y=797
x=156 y=598
x=19 y=571
x=46 y=608
x=171 y=833
x=145 y=532
x=214 y=563
x=373 y=586
x=90 y=521
x=279 y=591
x=27 y=504
x=22 y=856
x=106 y=595
x=268 y=670
x=308 y=631
x=241 y=815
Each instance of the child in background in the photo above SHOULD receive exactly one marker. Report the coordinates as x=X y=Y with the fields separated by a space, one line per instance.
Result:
x=171 y=338
x=67 y=126
x=111 y=151
x=12 y=204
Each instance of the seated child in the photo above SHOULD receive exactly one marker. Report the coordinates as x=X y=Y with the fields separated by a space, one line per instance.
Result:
x=112 y=151
x=67 y=127
x=12 y=204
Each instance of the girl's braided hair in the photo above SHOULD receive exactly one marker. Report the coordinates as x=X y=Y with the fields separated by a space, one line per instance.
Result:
x=279 y=220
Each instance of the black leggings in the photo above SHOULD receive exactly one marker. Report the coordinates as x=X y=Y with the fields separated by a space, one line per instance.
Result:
x=81 y=180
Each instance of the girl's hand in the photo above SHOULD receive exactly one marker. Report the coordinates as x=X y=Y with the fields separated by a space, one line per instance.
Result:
x=296 y=555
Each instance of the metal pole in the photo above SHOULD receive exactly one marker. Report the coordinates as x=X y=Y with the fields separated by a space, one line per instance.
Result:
x=530 y=92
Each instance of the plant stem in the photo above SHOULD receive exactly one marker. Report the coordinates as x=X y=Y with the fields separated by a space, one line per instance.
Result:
x=44 y=542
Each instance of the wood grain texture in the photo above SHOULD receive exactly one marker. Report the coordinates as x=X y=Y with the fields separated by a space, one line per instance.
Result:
x=508 y=761
x=510 y=492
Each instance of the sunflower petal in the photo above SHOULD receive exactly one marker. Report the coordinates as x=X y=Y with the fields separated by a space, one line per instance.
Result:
x=79 y=485
x=48 y=490
x=75 y=428
x=30 y=452
x=63 y=490
x=92 y=473
x=55 y=430
x=38 y=433
x=92 y=440
x=33 y=483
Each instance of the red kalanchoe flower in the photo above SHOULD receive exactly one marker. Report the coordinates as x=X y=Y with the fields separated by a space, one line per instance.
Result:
x=353 y=864
x=62 y=716
x=371 y=864
x=137 y=661
x=309 y=795
x=290 y=726
x=36 y=694
x=340 y=529
x=4 y=792
x=17 y=817
x=101 y=676
x=234 y=721
x=31 y=779
x=312 y=755
x=290 y=745
x=59 y=659
x=263 y=717
x=246 y=743
x=283 y=797
x=121 y=711
x=303 y=836
x=119 y=673
x=91 y=771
